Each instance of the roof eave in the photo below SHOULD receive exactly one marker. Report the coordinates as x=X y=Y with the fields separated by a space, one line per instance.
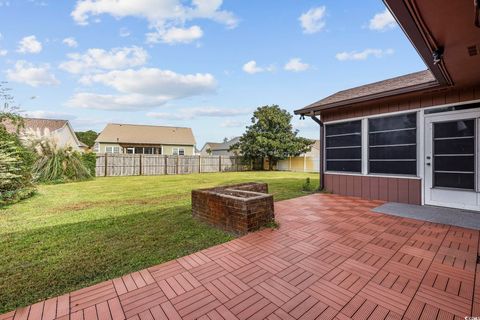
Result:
x=416 y=35
x=311 y=109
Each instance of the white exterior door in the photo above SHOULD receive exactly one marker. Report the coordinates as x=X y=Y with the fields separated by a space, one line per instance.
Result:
x=451 y=159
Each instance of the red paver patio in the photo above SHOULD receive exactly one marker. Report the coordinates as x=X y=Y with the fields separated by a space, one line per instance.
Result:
x=331 y=258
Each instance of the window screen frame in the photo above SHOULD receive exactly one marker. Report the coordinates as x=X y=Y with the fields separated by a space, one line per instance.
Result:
x=361 y=147
x=417 y=143
x=476 y=173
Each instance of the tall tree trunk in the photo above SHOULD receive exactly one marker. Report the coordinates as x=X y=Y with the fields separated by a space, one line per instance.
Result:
x=270 y=163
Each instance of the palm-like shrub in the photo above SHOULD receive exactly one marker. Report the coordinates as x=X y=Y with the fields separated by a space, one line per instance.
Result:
x=55 y=164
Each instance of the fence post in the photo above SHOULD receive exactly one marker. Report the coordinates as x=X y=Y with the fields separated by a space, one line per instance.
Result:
x=166 y=164
x=178 y=163
x=140 y=164
x=199 y=164
x=219 y=163
x=106 y=165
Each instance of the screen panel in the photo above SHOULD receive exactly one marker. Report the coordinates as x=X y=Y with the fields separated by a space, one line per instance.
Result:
x=392 y=144
x=344 y=146
x=454 y=154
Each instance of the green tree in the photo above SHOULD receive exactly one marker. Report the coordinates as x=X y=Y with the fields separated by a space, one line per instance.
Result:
x=16 y=161
x=87 y=137
x=271 y=136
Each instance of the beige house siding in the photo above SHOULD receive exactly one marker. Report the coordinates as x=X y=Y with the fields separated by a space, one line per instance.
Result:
x=189 y=150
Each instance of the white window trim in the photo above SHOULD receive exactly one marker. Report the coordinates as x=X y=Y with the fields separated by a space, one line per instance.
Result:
x=364 y=122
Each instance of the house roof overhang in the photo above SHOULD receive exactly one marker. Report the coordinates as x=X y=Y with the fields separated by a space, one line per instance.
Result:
x=430 y=25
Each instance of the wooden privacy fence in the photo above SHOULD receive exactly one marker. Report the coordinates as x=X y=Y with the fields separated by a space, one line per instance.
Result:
x=110 y=165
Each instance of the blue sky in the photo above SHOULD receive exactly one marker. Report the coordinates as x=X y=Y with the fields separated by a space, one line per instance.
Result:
x=206 y=64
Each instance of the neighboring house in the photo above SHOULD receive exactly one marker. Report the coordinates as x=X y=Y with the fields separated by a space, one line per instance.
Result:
x=220 y=149
x=415 y=138
x=60 y=130
x=307 y=162
x=145 y=139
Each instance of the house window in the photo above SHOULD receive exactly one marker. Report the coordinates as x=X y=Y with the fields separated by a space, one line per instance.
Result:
x=112 y=149
x=138 y=150
x=148 y=150
x=344 y=146
x=392 y=144
x=96 y=147
x=130 y=150
x=178 y=151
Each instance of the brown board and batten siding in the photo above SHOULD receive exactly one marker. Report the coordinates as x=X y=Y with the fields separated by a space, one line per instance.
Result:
x=403 y=190
x=375 y=188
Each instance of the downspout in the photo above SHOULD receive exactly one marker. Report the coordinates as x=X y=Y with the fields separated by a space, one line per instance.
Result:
x=322 y=153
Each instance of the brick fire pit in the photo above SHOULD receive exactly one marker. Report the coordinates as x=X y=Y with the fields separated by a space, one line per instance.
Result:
x=238 y=209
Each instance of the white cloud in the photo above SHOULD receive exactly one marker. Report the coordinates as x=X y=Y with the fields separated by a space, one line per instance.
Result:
x=296 y=65
x=313 y=20
x=192 y=113
x=175 y=35
x=363 y=55
x=29 y=44
x=127 y=102
x=232 y=124
x=124 y=32
x=382 y=21
x=141 y=89
x=154 y=82
x=28 y=73
x=161 y=15
x=95 y=60
x=3 y=52
x=251 y=67
x=71 y=42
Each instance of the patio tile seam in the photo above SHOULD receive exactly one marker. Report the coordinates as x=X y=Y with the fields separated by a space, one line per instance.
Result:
x=379 y=269
x=428 y=269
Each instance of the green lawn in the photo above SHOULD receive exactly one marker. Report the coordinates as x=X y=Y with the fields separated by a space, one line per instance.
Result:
x=73 y=235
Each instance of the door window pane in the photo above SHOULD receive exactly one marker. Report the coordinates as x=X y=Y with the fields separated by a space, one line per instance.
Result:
x=455 y=180
x=392 y=142
x=455 y=163
x=461 y=128
x=455 y=146
x=344 y=146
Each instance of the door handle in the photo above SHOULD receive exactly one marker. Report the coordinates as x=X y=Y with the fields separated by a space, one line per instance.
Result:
x=428 y=163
